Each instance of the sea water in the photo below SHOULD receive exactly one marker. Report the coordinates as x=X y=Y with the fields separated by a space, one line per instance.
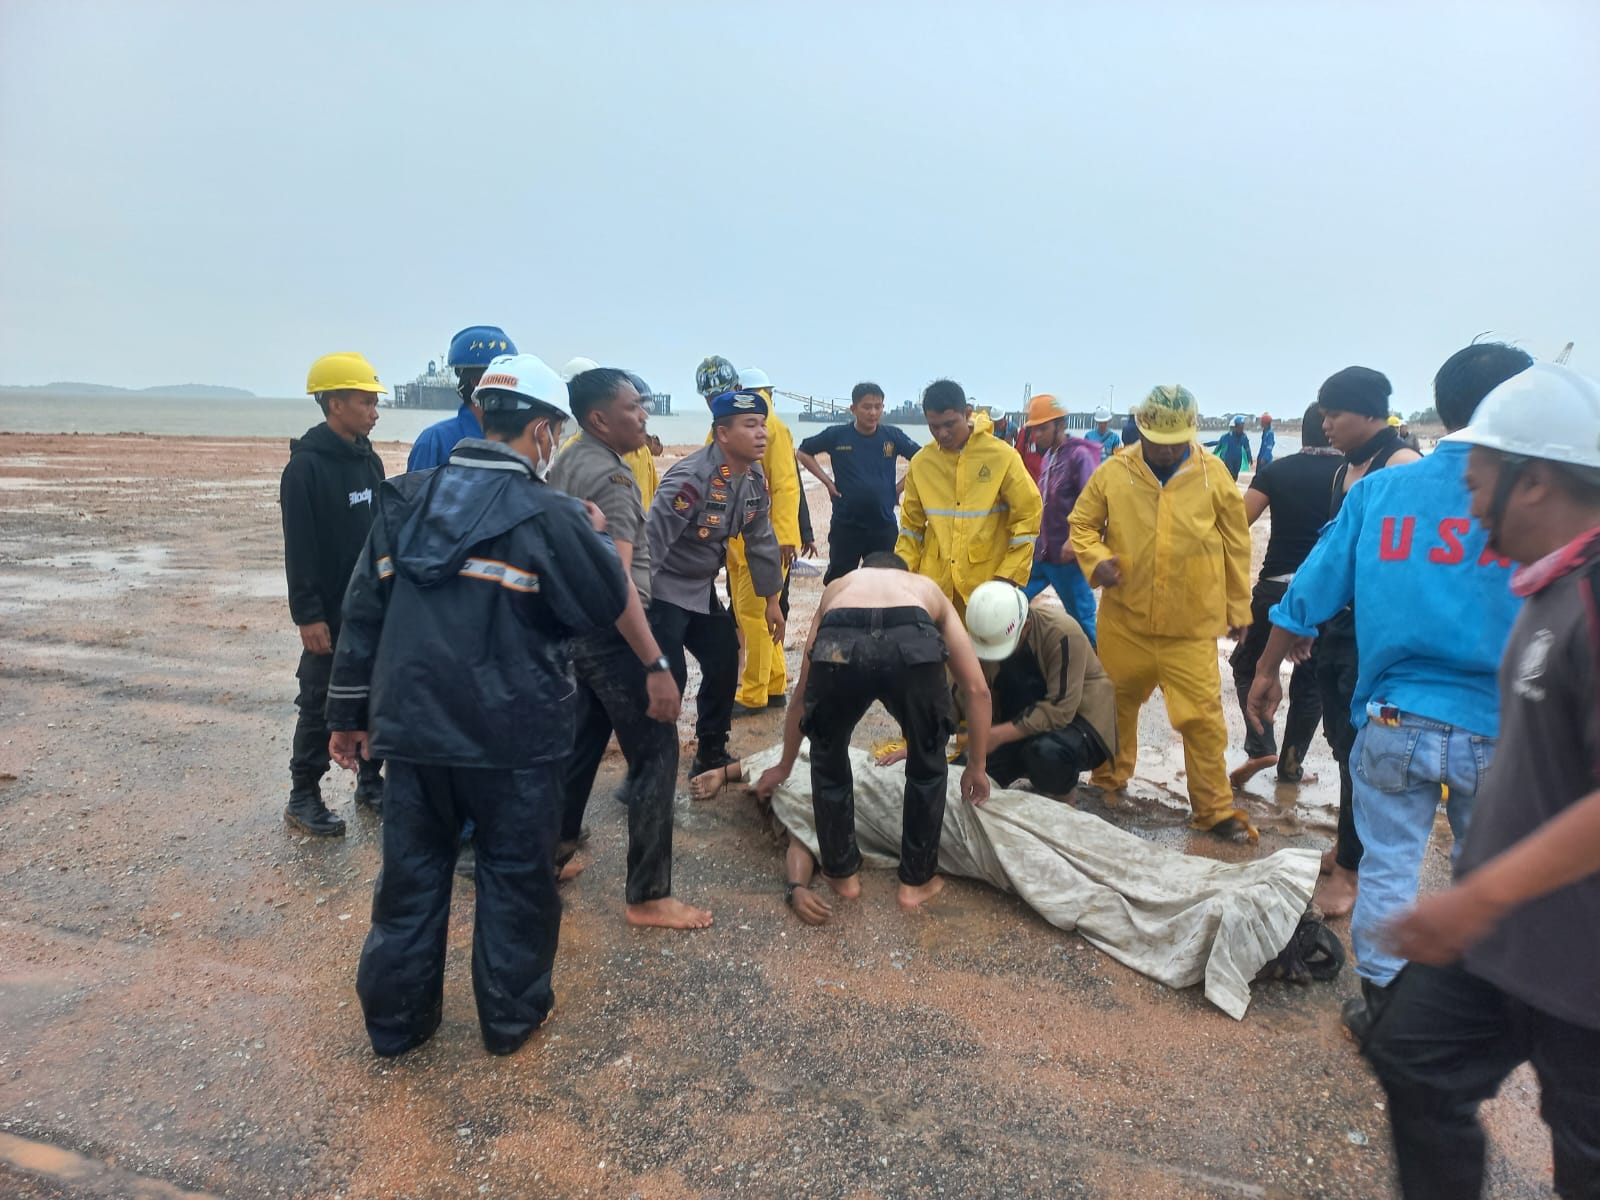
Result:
x=287 y=418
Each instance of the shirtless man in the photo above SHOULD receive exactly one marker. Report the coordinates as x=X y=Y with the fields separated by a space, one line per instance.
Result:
x=877 y=636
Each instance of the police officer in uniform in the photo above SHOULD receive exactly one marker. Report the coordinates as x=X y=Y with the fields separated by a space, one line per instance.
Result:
x=473 y=728
x=713 y=494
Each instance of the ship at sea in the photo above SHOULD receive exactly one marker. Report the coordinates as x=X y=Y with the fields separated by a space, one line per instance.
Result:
x=436 y=388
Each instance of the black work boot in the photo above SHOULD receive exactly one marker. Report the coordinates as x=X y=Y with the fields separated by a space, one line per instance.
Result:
x=309 y=815
x=710 y=756
x=1360 y=1013
x=369 y=786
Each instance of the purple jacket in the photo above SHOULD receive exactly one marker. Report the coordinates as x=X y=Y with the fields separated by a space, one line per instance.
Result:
x=1065 y=471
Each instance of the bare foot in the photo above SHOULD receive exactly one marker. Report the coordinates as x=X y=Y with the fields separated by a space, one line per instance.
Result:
x=1242 y=775
x=707 y=784
x=571 y=869
x=913 y=898
x=848 y=888
x=1305 y=778
x=1336 y=895
x=1330 y=859
x=668 y=913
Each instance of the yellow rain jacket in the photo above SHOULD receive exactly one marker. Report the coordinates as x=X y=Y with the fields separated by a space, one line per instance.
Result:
x=1183 y=549
x=969 y=517
x=643 y=465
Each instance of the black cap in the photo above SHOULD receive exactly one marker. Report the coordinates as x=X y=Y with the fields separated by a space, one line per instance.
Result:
x=1358 y=390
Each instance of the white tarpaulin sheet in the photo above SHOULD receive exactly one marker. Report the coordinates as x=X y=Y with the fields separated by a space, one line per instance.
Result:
x=1176 y=918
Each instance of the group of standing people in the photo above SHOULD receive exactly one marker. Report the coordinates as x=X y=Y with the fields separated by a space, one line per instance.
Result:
x=486 y=590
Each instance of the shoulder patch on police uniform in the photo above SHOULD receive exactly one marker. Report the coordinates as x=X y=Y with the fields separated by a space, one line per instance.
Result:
x=688 y=496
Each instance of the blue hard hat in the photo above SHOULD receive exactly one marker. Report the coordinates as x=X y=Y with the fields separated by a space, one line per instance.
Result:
x=476 y=345
x=734 y=404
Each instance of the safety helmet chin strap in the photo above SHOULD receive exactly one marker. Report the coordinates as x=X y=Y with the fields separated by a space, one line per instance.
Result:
x=1511 y=468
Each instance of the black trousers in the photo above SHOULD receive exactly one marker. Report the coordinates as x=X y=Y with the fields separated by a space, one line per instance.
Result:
x=894 y=656
x=713 y=639
x=518 y=916
x=1337 y=667
x=1051 y=761
x=308 y=757
x=1443 y=1044
x=612 y=696
x=1305 y=700
x=849 y=543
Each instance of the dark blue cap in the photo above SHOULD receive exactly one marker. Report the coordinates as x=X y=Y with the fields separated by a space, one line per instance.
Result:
x=737 y=404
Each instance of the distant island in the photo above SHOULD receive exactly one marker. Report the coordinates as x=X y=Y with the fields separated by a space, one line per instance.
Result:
x=170 y=391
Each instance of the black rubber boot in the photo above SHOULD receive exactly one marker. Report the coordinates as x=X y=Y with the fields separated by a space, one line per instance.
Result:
x=1361 y=1013
x=709 y=756
x=309 y=815
x=369 y=786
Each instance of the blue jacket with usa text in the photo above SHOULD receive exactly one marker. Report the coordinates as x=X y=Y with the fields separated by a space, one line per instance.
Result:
x=452 y=651
x=1433 y=603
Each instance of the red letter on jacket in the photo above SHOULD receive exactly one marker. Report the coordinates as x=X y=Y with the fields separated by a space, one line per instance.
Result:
x=1389 y=550
x=1451 y=530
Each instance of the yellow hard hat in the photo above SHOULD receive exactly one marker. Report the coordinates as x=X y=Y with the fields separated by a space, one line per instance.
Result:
x=346 y=371
x=1042 y=409
x=1395 y=422
x=1168 y=416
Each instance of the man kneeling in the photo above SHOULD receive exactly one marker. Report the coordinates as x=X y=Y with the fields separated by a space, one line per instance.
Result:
x=1054 y=712
x=877 y=636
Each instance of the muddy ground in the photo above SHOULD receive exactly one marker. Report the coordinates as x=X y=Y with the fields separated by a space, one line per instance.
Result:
x=177 y=1010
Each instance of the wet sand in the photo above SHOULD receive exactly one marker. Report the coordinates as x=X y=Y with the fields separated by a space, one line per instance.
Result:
x=177 y=1009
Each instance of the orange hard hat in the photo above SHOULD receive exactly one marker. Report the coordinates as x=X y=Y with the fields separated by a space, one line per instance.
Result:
x=1043 y=409
x=1266 y=416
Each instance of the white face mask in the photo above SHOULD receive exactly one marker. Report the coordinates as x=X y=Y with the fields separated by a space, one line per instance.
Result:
x=542 y=464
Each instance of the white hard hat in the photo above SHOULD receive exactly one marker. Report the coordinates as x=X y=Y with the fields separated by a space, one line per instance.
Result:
x=751 y=378
x=996 y=613
x=1102 y=414
x=514 y=381
x=1546 y=412
x=577 y=366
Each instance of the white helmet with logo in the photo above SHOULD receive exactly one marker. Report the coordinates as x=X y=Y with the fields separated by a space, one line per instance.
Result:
x=515 y=381
x=1102 y=414
x=1546 y=412
x=753 y=379
x=996 y=613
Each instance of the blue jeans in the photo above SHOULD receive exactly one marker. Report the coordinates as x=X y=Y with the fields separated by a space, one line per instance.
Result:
x=1398 y=764
x=1077 y=597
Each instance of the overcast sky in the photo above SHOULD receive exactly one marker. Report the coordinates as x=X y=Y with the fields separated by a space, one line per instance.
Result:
x=1239 y=197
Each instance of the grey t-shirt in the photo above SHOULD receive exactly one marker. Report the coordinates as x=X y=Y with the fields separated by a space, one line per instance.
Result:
x=588 y=469
x=1547 y=759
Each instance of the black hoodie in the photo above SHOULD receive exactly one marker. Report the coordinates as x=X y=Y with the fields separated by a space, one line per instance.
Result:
x=453 y=648
x=326 y=494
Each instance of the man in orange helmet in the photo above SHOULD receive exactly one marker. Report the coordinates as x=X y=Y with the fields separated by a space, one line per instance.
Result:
x=1065 y=468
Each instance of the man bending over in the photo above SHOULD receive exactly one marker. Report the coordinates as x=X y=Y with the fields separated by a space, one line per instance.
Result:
x=877 y=636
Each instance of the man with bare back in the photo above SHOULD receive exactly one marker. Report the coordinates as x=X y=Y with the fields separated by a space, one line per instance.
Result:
x=882 y=633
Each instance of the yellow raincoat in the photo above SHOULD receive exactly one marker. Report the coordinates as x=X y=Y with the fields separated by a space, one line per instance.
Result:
x=1184 y=554
x=971 y=516
x=765 y=674
x=643 y=465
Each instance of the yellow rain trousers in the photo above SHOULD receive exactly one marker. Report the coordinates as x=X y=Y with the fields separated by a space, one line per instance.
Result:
x=765 y=673
x=969 y=517
x=643 y=465
x=1184 y=554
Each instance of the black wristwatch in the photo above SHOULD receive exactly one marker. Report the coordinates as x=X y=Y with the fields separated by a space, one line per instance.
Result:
x=660 y=664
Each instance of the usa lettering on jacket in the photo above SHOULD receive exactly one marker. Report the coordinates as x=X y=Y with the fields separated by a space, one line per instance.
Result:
x=1398 y=542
